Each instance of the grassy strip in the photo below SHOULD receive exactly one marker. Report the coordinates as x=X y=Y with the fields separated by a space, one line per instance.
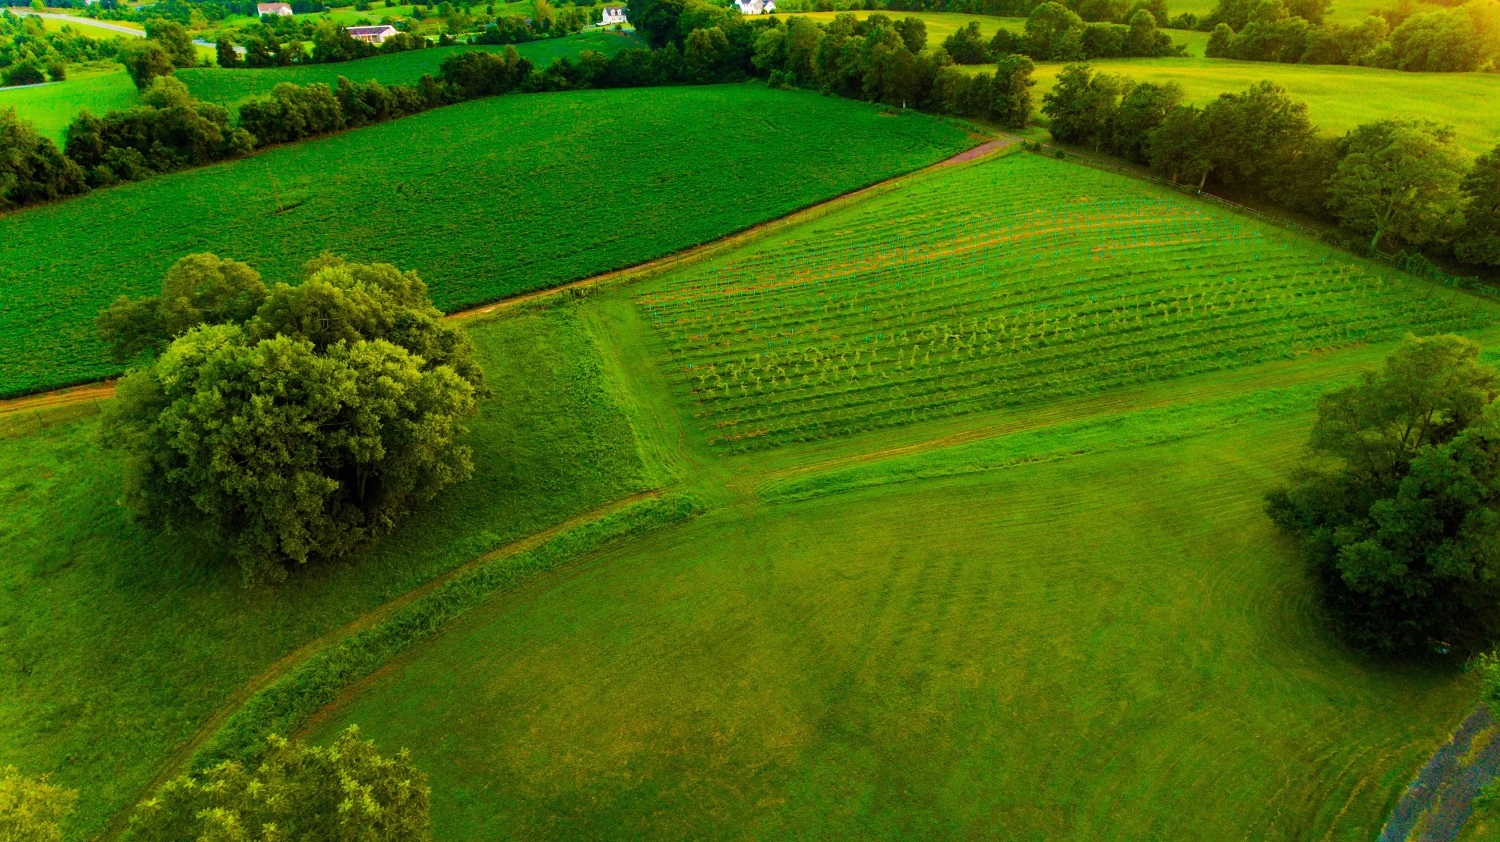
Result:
x=286 y=705
x=1102 y=434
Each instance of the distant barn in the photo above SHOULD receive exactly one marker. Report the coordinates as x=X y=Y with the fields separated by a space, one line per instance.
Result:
x=373 y=34
x=282 y=9
x=755 y=7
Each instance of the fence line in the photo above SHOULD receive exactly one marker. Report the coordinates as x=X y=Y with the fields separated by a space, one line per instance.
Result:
x=1411 y=263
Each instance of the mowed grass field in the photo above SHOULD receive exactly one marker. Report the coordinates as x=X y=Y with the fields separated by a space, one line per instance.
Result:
x=485 y=199
x=233 y=86
x=51 y=108
x=1005 y=283
x=1338 y=98
x=116 y=643
x=1067 y=618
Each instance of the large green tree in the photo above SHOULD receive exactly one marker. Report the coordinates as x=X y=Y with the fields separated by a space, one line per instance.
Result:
x=1479 y=242
x=1399 y=179
x=1397 y=506
x=345 y=792
x=300 y=431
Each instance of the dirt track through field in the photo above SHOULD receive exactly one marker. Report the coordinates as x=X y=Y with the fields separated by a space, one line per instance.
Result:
x=177 y=762
x=106 y=389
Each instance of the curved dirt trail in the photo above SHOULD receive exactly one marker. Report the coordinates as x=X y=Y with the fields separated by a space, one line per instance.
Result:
x=106 y=389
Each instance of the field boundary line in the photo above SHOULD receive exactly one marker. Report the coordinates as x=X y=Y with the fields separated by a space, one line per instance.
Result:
x=105 y=389
x=181 y=756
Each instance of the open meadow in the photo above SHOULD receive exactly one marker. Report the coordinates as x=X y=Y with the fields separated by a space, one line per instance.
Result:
x=1067 y=617
x=51 y=108
x=507 y=195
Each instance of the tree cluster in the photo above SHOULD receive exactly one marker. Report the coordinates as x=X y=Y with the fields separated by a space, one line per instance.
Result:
x=1466 y=38
x=287 y=423
x=1056 y=33
x=1398 y=184
x=29 y=54
x=345 y=792
x=1397 y=505
x=168 y=131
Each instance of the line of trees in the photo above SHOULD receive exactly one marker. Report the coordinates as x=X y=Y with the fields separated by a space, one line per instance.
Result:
x=1465 y=38
x=1056 y=33
x=1399 y=184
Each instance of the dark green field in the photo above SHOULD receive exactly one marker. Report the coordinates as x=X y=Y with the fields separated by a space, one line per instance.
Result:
x=485 y=200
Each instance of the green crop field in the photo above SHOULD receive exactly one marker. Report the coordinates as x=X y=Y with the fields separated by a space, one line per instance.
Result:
x=51 y=108
x=1338 y=98
x=485 y=199
x=232 y=87
x=1013 y=282
x=118 y=642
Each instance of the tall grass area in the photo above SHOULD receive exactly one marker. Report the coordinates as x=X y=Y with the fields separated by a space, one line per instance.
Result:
x=233 y=86
x=1338 y=98
x=101 y=88
x=1115 y=645
x=485 y=199
x=118 y=642
x=1005 y=283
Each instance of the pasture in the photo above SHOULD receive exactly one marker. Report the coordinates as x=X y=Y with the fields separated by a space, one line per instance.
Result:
x=508 y=195
x=230 y=87
x=101 y=88
x=1010 y=283
x=119 y=642
x=1338 y=98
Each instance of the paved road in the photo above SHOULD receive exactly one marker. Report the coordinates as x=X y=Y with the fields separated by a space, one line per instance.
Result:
x=102 y=24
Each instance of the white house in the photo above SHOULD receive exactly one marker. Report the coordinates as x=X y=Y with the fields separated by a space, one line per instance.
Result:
x=282 y=9
x=755 y=7
x=613 y=15
x=373 y=34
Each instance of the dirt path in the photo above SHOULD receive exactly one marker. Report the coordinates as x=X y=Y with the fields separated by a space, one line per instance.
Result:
x=1438 y=802
x=106 y=389
x=178 y=760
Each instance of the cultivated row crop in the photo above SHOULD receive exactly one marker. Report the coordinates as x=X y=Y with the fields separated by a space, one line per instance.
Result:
x=1007 y=283
x=484 y=200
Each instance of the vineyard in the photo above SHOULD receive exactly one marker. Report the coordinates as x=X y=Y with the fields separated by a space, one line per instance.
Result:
x=484 y=199
x=1002 y=284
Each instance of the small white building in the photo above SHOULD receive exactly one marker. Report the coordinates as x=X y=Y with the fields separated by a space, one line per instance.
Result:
x=613 y=15
x=755 y=7
x=282 y=9
x=371 y=34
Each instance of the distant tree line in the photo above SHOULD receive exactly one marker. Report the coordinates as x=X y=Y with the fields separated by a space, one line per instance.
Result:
x=1465 y=38
x=1400 y=184
x=1056 y=33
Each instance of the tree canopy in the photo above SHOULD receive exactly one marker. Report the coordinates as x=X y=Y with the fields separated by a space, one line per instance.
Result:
x=1397 y=505
x=288 y=423
x=345 y=792
x=31 y=809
